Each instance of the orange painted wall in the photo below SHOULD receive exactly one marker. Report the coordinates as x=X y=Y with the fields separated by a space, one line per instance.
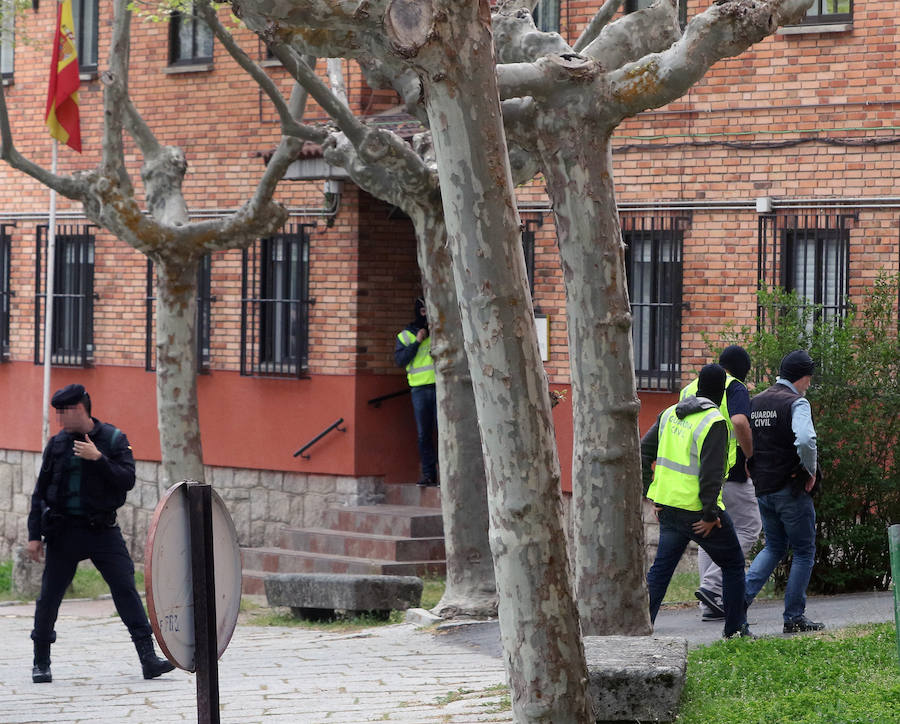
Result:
x=258 y=423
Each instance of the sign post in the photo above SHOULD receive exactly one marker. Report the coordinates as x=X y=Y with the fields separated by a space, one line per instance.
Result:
x=193 y=578
x=206 y=661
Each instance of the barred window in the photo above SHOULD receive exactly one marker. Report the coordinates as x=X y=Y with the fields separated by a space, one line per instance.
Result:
x=275 y=304
x=653 y=264
x=84 y=13
x=190 y=38
x=5 y=292
x=817 y=261
x=72 y=333
x=808 y=254
x=203 y=324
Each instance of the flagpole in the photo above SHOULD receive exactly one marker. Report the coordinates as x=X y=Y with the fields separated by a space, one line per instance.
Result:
x=48 y=303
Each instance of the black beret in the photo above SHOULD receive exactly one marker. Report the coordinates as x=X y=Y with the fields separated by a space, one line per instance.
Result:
x=795 y=365
x=68 y=396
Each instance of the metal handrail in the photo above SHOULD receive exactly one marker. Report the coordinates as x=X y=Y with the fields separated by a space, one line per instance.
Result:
x=332 y=426
x=376 y=401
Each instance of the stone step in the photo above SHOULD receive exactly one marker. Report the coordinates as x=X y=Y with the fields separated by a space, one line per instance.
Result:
x=362 y=545
x=260 y=562
x=402 y=521
x=411 y=494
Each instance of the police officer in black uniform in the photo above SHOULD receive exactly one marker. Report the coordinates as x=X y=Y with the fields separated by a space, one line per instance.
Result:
x=87 y=471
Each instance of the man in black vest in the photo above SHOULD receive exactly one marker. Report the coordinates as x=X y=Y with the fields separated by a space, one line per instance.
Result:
x=87 y=471
x=784 y=469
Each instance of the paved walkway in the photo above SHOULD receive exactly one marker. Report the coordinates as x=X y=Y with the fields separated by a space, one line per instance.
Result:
x=398 y=673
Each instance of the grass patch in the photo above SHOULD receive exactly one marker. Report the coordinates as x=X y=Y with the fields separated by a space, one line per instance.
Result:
x=838 y=677
x=88 y=583
x=432 y=591
x=254 y=615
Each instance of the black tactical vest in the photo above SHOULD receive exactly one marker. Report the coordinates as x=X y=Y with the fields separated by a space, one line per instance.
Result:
x=774 y=453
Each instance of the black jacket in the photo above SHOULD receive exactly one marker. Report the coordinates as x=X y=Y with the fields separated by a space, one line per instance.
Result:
x=104 y=482
x=775 y=455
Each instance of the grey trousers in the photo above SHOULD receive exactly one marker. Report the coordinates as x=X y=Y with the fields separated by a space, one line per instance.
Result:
x=740 y=502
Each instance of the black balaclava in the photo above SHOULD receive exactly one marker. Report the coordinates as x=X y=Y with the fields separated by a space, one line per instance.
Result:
x=736 y=360
x=711 y=383
x=795 y=365
x=420 y=320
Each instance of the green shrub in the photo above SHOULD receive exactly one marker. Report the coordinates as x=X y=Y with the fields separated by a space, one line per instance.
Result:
x=855 y=398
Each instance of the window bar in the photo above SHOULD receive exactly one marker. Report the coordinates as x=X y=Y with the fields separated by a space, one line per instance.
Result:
x=37 y=296
x=5 y=290
x=244 y=308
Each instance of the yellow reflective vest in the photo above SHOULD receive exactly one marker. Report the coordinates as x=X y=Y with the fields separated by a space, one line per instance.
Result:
x=676 y=479
x=691 y=389
x=421 y=370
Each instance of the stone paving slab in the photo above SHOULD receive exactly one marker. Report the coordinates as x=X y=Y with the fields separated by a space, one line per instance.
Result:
x=396 y=673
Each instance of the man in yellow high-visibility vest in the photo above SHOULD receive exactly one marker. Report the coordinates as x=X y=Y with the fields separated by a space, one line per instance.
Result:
x=413 y=353
x=738 y=494
x=689 y=445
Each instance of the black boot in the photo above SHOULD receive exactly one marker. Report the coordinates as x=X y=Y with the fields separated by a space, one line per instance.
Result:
x=40 y=673
x=152 y=665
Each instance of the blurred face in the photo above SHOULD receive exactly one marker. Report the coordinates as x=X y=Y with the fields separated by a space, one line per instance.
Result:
x=74 y=419
x=803 y=384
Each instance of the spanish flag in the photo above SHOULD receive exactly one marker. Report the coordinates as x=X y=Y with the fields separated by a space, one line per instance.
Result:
x=62 y=95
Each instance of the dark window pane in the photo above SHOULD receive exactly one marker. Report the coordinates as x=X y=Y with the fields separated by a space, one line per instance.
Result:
x=84 y=13
x=546 y=16
x=190 y=39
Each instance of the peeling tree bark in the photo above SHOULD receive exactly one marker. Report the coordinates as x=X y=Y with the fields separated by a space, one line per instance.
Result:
x=538 y=619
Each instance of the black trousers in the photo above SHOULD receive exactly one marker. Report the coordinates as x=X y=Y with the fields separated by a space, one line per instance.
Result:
x=106 y=549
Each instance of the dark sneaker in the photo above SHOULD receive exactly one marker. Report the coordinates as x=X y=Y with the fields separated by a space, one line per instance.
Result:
x=801 y=624
x=743 y=632
x=711 y=601
x=712 y=616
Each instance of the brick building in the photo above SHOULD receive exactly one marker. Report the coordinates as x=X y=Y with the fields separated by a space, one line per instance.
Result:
x=781 y=165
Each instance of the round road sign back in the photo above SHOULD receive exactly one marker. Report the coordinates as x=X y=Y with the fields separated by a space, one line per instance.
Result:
x=169 y=581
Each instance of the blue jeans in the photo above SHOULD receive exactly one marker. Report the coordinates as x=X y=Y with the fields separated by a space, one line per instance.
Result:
x=722 y=545
x=424 y=400
x=788 y=521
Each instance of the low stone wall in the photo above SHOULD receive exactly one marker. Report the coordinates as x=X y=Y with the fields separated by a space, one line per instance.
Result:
x=260 y=502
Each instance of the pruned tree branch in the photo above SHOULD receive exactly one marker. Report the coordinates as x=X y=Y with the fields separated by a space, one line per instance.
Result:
x=724 y=30
x=115 y=95
x=598 y=23
x=72 y=187
x=633 y=36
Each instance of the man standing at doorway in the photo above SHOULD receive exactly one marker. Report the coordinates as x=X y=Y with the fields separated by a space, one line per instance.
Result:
x=413 y=353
